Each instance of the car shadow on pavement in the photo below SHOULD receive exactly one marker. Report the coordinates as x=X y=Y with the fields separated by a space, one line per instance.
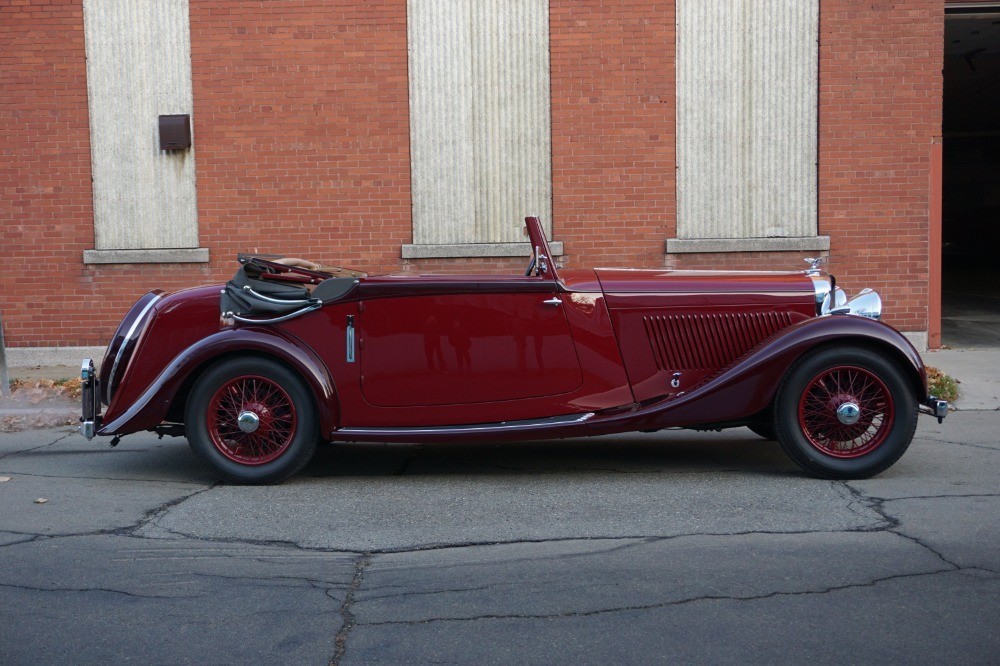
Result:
x=655 y=453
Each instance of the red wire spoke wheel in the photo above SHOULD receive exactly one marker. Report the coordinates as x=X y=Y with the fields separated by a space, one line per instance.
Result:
x=251 y=420
x=846 y=411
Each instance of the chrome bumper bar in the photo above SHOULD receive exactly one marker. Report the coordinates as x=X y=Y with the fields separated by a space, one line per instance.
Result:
x=936 y=408
x=90 y=398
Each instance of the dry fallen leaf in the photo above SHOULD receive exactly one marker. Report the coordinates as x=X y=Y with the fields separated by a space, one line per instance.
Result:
x=41 y=500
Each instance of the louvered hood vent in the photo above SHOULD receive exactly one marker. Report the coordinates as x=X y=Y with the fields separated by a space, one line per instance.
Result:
x=710 y=341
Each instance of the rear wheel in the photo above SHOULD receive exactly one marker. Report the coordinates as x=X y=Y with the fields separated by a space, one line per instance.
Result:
x=252 y=421
x=845 y=413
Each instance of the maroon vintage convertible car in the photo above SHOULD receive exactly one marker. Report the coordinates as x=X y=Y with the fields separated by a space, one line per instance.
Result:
x=288 y=354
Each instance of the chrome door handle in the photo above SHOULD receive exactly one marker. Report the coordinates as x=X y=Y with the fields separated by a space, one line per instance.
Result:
x=555 y=300
x=350 y=338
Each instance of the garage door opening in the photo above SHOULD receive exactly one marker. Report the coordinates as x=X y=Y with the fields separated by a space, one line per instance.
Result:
x=970 y=229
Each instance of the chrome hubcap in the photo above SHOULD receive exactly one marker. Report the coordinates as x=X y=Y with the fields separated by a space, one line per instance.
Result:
x=848 y=413
x=248 y=421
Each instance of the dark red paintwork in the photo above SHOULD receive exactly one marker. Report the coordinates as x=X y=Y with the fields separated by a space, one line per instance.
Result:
x=553 y=354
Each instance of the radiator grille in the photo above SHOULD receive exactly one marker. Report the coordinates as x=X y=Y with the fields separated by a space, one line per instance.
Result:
x=709 y=341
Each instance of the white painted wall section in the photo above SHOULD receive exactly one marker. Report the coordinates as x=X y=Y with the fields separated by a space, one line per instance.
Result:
x=480 y=138
x=139 y=67
x=747 y=87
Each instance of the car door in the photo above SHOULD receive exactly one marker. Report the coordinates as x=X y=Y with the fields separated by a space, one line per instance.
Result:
x=454 y=341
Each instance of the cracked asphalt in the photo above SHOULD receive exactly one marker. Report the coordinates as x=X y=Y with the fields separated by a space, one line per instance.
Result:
x=644 y=548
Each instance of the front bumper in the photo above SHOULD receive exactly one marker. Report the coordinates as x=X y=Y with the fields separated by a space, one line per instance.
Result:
x=90 y=421
x=936 y=408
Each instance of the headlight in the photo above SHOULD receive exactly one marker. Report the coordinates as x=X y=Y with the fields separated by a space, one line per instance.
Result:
x=866 y=304
x=123 y=344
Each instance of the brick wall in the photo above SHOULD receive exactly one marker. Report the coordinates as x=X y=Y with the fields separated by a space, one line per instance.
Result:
x=302 y=147
x=45 y=204
x=880 y=111
x=613 y=152
x=302 y=131
x=47 y=295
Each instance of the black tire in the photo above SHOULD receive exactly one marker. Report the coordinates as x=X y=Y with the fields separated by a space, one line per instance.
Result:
x=815 y=436
x=281 y=413
x=765 y=430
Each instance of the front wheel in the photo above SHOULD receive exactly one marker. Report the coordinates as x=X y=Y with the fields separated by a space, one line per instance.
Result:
x=845 y=413
x=251 y=420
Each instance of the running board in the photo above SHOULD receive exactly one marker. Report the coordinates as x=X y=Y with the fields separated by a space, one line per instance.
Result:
x=503 y=428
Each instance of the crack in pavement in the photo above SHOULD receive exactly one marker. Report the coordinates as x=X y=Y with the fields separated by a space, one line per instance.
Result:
x=946 y=496
x=31 y=537
x=974 y=446
x=32 y=588
x=35 y=448
x=348 y=621
x=301 y=581
x=104 y=478
x=855 y=498
x=156 y=513
x=877 y=504
x=666 y=604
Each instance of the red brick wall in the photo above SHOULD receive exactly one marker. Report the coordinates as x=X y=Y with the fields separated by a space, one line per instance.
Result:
x=613 y=151
x=302 y=147
x=301 y=125
x=301 y=142
x=880 y=111
x=47 y=296
x=45 y=201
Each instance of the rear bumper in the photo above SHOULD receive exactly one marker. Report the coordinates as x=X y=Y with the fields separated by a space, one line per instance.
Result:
x=90 y=397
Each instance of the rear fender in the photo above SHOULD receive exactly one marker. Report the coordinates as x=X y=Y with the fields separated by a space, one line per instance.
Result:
x=748 y=386
x=153 y=405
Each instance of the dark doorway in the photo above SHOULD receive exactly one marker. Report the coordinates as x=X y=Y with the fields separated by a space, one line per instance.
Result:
x=970 y=296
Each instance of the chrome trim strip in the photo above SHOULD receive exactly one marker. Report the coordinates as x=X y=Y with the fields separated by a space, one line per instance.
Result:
x=502 y=426
x=128 y=336
x=246 y=320
x=278 y=301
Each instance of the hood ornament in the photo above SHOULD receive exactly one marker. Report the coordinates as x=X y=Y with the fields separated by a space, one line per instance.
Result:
x=814 y=265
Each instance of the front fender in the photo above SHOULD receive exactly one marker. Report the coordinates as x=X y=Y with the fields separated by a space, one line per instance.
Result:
x=749 y=385
x=152 y=406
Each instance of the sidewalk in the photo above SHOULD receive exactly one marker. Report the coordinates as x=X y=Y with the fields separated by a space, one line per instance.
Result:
x=977 y=370
x=43 y=407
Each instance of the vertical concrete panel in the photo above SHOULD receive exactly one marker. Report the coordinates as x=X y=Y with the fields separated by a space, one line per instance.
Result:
x=139 y=67
x=747 y=77
x=479 y=118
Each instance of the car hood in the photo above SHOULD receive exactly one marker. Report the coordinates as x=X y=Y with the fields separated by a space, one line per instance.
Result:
x=628 y=281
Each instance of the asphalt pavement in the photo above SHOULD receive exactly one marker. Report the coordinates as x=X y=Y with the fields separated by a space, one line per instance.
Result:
x=653 y=548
